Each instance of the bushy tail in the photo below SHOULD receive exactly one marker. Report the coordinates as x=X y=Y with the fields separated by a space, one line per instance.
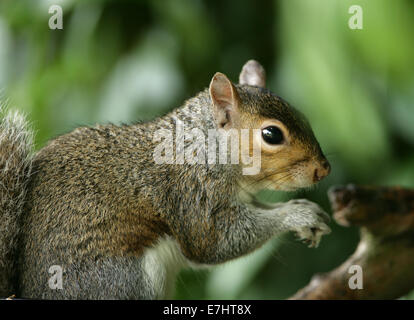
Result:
x=16 y=146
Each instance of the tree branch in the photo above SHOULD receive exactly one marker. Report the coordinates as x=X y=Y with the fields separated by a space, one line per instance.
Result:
x=385 y=252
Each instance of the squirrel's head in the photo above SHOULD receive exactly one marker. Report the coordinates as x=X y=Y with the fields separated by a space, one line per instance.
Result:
x=290 y=155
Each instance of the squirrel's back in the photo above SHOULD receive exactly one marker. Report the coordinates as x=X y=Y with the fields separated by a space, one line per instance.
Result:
x=87 y=203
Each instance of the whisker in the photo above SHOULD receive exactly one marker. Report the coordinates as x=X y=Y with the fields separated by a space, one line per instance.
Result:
x=287 y=175
x=275 y=171
x=283 y=178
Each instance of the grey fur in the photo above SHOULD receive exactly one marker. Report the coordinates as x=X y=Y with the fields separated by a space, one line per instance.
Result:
x=16 y=145
x=98 y=205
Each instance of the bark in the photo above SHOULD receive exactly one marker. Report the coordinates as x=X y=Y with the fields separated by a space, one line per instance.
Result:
x=385 y=216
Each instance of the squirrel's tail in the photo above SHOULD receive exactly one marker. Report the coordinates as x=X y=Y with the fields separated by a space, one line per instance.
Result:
x=16 y=147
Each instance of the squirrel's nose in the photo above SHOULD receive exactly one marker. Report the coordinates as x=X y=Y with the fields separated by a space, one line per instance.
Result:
x=322 y=171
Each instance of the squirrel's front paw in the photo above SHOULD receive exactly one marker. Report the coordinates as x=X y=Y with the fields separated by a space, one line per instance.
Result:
x=308 y=221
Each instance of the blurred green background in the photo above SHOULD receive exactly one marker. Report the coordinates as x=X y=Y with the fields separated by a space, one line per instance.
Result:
x=121 y=61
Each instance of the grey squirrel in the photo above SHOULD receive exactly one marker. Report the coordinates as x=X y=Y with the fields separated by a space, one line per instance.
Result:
x=121 y=225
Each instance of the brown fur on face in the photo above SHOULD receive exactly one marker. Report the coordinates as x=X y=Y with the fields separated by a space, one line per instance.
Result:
x=296 y=163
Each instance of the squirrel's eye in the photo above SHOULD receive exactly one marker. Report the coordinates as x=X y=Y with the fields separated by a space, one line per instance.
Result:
x=272 y=135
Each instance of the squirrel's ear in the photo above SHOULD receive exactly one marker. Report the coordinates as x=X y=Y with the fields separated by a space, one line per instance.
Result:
x=225 y=101
x=253 y=74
